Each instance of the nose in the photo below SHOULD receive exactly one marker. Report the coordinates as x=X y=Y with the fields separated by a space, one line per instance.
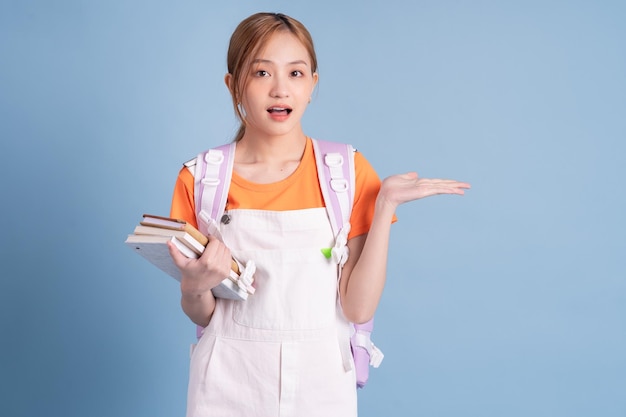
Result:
x=279 y=87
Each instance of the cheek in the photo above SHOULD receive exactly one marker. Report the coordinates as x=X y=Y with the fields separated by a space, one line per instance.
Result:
x=308 y=90
x=256 y=91
x=248 y=101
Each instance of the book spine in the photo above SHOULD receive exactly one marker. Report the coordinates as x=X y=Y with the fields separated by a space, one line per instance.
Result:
x=195 y=233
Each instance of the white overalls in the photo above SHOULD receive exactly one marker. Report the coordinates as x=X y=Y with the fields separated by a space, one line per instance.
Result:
x=286 y=350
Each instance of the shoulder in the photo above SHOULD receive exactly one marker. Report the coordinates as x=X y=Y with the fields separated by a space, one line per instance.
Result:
x=222 y=150
x=331 y=146
x=360 y=159
x=363 y=167
x=187 y=172
x=190 y=165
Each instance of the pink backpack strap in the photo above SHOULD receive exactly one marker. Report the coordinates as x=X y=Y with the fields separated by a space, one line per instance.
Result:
x=213 y=172
x=212 y=176
x=336 y=171
x=335 y=168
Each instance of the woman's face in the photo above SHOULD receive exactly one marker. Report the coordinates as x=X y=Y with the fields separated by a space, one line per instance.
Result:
x=279 y=87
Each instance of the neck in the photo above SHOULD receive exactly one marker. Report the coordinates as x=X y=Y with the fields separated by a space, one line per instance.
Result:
x=255 y=148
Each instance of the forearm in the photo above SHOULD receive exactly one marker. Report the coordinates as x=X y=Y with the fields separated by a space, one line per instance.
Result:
x=198 y=306
x=365 y=280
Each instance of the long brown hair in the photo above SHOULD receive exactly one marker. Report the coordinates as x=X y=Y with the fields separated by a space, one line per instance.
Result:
x=246 y=42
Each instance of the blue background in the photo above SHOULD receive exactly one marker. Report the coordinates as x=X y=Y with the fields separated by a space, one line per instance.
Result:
x=509 y=301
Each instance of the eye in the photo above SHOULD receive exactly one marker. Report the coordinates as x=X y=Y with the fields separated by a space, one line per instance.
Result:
x=262 y=73
x=297 y=73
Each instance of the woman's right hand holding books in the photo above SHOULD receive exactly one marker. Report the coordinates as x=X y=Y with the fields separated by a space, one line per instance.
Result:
x=201 y=275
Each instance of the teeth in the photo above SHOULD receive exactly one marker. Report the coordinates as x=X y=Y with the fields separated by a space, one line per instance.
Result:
x=273 y=109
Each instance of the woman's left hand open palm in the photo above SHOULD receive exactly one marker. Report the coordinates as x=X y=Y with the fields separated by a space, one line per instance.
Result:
x=402 y=188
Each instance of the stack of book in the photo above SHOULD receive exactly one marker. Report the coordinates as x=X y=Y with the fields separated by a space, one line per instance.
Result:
x=150 y=238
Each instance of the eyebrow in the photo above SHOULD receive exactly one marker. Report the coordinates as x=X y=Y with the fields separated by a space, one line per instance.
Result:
x=267 y=61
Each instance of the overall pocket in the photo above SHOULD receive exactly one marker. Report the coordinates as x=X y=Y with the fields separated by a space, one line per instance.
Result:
x=295 y=290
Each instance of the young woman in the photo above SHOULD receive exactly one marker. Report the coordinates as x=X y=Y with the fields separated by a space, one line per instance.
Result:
x=283 y=351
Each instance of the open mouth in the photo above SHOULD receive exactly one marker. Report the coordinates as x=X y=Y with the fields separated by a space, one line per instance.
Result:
x=279 y=110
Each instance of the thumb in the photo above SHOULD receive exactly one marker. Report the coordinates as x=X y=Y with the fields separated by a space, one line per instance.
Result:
x=179 y=259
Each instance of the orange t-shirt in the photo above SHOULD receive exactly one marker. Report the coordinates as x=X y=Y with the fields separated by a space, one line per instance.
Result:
x=301 y=190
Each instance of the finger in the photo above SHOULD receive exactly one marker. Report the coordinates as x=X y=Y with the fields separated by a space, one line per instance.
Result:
x=179 y=259
x=443 y=183
x=448 y=190
x=453 y=183
x=216 y=255
x=431 y=189
x=212 y=249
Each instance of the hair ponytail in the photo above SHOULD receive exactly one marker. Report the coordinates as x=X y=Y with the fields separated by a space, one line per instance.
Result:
x=240 y=132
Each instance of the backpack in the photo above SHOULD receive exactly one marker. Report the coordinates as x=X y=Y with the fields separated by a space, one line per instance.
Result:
x=212 y=171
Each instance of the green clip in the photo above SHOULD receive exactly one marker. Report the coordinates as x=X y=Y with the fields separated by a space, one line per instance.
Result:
x=327 y=252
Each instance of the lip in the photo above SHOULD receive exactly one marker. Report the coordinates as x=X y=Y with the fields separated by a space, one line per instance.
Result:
x=279 y=112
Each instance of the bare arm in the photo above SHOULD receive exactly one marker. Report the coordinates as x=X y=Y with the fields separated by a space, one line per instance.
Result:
x=363 y=276
x=199 y=276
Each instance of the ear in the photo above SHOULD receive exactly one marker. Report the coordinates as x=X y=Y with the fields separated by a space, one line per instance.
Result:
x=315 y=80
x=228 y=80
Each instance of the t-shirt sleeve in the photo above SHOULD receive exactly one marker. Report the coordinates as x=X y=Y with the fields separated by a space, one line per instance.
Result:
x=367 y=184
x=183 y=206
